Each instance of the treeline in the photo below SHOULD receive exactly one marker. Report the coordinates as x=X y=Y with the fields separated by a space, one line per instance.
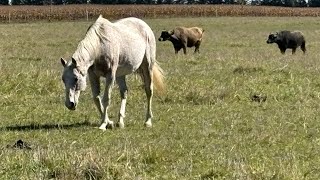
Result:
x=284 y=3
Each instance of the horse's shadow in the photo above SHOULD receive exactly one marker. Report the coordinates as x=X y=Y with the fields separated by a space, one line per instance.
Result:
x=32 y=126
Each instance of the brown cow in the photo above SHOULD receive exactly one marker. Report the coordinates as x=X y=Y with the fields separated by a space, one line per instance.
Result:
x=182 y=37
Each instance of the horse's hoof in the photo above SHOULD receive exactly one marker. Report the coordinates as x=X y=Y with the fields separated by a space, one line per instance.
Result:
x=103 y=129
x=103 y=126
x=120 y=125
x=148 y=124
x=110 y=125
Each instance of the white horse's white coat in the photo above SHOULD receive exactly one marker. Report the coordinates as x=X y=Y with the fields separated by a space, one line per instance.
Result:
x=113 y=50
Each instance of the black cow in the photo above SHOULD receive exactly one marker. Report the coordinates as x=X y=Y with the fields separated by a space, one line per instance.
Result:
x=288 y=40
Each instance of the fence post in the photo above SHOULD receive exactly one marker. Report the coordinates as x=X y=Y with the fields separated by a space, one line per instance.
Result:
x=87 y=13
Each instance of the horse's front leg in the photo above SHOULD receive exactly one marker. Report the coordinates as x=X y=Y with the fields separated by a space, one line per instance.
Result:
x=110 y=79
x=95 y=88
x=121 y=81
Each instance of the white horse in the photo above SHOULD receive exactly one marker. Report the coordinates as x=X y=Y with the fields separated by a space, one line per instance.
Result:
x=113 y=50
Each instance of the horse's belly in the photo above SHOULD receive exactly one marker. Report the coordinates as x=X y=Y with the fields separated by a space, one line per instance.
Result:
x=129 y=62
x=126 y=69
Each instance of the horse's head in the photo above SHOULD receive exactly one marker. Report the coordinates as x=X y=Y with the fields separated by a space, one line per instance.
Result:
x=74 y=82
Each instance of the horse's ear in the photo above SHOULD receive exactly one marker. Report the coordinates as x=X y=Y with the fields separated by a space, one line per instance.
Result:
x=63 y=62
x=74 y=61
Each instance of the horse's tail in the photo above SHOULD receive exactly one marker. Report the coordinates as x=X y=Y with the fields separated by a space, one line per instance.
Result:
x=156 y=70
x=158 y=78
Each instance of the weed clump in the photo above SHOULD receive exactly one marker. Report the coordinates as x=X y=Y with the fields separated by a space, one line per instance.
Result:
x=247 y=70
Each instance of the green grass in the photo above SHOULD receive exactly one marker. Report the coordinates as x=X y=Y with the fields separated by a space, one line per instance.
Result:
x=205 y=127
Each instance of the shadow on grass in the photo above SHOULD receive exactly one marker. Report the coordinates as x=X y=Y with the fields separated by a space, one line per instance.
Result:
x=31 y=127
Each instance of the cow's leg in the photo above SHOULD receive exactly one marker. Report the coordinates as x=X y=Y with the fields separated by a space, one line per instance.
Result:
x=294 y=50
x=303 y=47
x=95 y=88
x=176 y=50
x=283 y=50
x=197 y=45
x=121 y=81
x=184 y=47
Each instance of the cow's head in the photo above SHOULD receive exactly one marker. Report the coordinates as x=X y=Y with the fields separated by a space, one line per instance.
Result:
x=165 y=35
x=272 y=38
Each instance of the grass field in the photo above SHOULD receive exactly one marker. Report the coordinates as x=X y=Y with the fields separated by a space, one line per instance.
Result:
x=206 y=127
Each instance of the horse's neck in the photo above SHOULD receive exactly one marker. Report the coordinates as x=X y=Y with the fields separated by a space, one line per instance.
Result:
x=90 y=48
x=84 y=62
x=85 y=56
x=83 y=67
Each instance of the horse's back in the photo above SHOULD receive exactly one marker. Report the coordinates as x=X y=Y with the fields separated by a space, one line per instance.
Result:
x=133 y=23
x=136 y=41
x=135 y=26
x=136 y=33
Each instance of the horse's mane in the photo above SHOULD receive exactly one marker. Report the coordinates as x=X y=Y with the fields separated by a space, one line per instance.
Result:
x=89 y=48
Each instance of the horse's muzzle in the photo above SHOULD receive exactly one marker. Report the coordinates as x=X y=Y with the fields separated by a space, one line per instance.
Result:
x=71 y=106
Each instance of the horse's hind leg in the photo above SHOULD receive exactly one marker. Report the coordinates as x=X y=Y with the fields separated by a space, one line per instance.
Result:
x=146 y=74
x=121 y=81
